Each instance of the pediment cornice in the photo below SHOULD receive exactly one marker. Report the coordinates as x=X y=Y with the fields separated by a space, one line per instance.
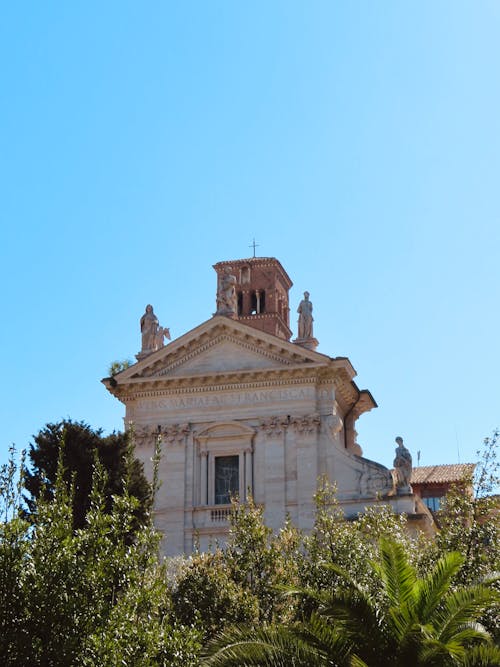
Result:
x=162 y=372
x=214 y=332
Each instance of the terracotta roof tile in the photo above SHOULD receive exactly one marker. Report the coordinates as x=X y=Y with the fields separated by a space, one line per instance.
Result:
x=438 y=474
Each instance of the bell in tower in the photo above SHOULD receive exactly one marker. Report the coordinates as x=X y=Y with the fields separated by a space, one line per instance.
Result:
x=255 y=292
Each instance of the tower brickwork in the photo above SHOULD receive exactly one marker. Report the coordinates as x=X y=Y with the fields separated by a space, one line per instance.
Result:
x=262 y=286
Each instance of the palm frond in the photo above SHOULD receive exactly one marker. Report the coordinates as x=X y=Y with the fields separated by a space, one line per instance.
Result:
x=275 y=646
x=460 y=608
x=357 y=614
x=328 y=640
x=430 y=590
x=357 y=662
x=486 y=655
x=397 y=575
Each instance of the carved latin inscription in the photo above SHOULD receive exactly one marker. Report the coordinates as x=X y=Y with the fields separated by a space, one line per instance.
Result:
x=228 y=399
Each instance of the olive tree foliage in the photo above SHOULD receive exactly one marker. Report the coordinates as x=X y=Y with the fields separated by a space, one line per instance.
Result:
x=88 y=596
x=240 y=583
x=470 y=524
x=350 y=545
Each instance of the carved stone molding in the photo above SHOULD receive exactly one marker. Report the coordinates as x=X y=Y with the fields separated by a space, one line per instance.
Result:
x=169 y=434
x=175 y=433
x=144 y=435
x=274 y=426
x=306 y=424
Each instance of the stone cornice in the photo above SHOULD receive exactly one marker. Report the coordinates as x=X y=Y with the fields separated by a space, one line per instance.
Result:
x=259 y=341
x=235 y=380
x=134 y=392
x=271 y=262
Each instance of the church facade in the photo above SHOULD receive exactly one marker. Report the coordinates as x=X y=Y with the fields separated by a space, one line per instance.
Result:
x=241 y=408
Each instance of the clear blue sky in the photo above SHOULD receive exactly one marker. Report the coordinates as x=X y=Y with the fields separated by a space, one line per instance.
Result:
x=358 y=142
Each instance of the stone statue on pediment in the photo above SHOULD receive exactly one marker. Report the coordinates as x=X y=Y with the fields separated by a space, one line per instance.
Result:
x=149 y=329
x=163 y=332
x=402 y=468
x=227 y=300
x=152 y=333
x=305 y=318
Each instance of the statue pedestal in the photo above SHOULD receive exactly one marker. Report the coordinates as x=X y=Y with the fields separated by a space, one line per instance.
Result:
x=226 y=313
x=308 y=343
x=142 y=355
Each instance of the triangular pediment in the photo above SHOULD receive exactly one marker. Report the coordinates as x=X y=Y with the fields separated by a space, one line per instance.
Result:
x=221 y=345
x=224 y=353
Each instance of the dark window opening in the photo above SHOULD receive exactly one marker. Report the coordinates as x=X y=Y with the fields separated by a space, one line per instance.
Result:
x=258 y=302
x=253 y=304
x=240 y=303
x=226 y=478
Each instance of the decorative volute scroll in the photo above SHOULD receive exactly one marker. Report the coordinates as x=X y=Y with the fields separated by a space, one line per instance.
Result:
x=306 y=424
x=375 y=479
x=274 y=426
x=333 y=425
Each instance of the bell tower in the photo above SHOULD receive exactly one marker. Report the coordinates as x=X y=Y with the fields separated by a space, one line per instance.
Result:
x=261 y=287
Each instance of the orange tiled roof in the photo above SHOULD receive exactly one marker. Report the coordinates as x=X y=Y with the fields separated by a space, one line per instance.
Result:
x=439 y=474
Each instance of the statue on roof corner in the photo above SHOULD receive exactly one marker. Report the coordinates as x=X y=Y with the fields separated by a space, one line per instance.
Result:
x=402 y=468
x=227 y=300
x=305 y=318
x=152 y=333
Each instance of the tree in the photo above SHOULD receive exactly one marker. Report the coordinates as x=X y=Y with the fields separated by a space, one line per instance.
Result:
x=239 y=584
x=470 y=524
x=80 y=446
x=84 y=597
x=419 y=622
x=206 y=595
x=116 y=367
